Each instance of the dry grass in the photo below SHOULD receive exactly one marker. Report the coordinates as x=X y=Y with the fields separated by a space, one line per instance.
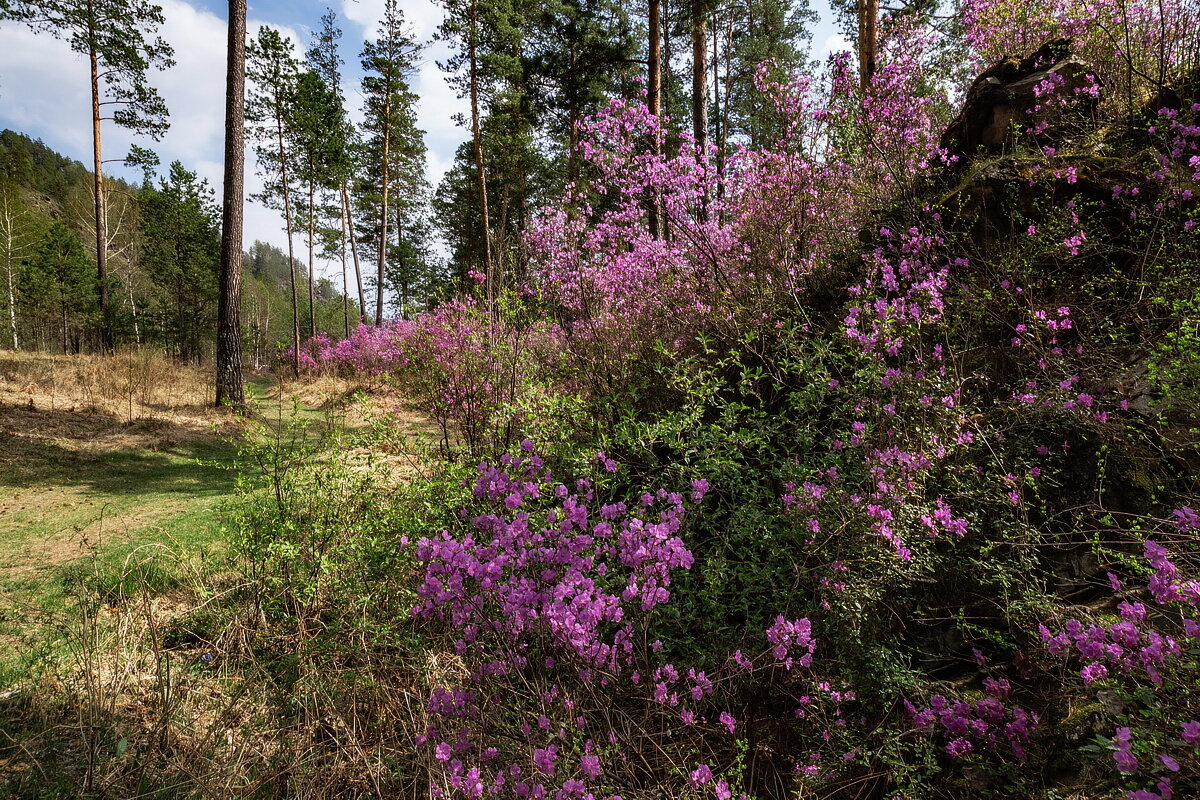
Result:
x=137 y=384
x=104 y=451
x=130 y=400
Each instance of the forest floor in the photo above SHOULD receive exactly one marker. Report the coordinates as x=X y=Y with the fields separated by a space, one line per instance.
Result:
x=112 y=457
x=118 y=486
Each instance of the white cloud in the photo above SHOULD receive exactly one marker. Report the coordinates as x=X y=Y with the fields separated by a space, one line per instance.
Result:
x=44 y=93
x=43 y=90
x=834 y=43
x=423 y=15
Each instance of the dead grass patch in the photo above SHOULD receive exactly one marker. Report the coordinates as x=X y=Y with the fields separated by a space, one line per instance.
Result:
x=134 y=400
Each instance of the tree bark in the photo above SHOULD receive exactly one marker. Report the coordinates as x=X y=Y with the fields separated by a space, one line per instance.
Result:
x=10 y=222
x=700 y=89
x=230 y=390
x=137 y=331
x=654 y=57
x=402 y=271
x=480 y=177
x=362 y=302
x=312 y=224
x=287 y=222
x=383 y=211
x=868 y=41
x=106 y=327
x=12 y=309
x=345 y=279
x=654 y=92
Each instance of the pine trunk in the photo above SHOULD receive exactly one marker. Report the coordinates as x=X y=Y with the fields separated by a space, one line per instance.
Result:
x=654 y=91
x=345 y=279
x=106 y=327
x=230 y=391
x=868 y=41
x=401 y=270
x=362 y=301
x=287 y=222
x=383 y=211
x=700 y=89
x=312 y=225
x=480 y=178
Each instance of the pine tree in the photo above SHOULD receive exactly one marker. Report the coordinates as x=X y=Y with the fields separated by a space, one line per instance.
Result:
x=229 y=324
x=393 y=152
x=324 y=60
x=317 y=122
x=464 y=26
x=578 y=54
x=119 y=38
x=757 y=31
x=182 y=253
x=273 y=70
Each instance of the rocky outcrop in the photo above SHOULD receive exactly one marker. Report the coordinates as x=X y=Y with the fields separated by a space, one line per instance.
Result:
x=1009 y=99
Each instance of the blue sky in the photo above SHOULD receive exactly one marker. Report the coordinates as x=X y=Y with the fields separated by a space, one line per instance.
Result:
x=44 y=93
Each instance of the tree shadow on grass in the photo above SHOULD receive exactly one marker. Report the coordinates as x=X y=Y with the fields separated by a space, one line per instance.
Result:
x=101 y=454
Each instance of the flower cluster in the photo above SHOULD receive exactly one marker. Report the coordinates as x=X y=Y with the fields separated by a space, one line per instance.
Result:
x=1123 y=646
x=790 y=636
x=986 y=723
x=573 y=573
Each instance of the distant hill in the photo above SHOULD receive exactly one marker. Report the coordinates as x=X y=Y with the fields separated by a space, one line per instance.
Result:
x=163 y=250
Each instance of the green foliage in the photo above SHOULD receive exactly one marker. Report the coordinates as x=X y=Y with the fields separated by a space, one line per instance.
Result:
x=58 y=280
x=181 y=249
x=1173 y=372
x=33 y=165
x=319 y=524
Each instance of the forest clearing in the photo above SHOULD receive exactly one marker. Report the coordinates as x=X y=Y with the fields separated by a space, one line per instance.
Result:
x=723 y=400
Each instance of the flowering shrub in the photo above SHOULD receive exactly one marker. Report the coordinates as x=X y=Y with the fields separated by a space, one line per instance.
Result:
x=1143 y=647
x=907 y=414
x=477 y=375
x=548 y=592
x=987 y=723
x=1132 y=45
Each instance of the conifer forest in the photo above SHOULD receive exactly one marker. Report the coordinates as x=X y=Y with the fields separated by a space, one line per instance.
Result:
x=600 y=399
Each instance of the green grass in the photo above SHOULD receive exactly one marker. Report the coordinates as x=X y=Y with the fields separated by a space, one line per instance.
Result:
x=63 y=504
x=70 y=501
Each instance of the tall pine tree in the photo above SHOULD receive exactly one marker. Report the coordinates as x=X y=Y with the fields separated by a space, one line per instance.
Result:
x=393 y=150
x=273 y=71
x=120 y=40
x=230 y=391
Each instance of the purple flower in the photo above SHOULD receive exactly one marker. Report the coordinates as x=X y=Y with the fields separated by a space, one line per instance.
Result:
x=1126 y=762
x=700 y=775
x=959 y=748
x=544 y=759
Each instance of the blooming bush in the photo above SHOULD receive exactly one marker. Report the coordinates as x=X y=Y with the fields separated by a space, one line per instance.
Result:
x=869 y=427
